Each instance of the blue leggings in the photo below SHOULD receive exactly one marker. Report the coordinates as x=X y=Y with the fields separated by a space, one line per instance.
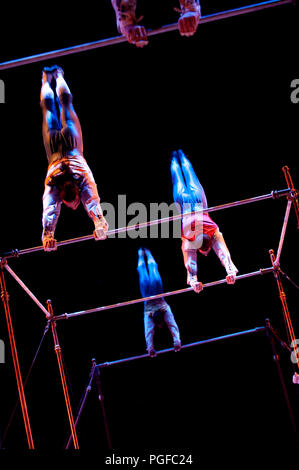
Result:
x=150 y=281
x=187 y=189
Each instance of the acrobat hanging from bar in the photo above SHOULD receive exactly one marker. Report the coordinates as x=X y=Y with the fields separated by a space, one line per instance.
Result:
x=157 y=312
x=199 y=232
x=129 y=26
x=69 y=179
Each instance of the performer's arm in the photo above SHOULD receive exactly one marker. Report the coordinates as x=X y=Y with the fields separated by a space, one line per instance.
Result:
x=94 y=210
x=51 y=212
x=91 y=202
x=127 y=23
x=189 y=18
x=221 y=250
x=190 y=261
x=100 y=228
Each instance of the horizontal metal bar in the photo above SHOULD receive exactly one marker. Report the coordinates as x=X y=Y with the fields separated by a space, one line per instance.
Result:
x=273 y=195
x=66 y=316
x=119 y=39
x=184 y=346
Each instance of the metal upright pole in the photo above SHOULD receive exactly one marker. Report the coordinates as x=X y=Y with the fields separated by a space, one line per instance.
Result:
x=283 y=231
x=283 y=299
x=5 y=300
x=62 y=376
x=101 y=400
x=294 y=194
x=276 y=359
x=86 y=392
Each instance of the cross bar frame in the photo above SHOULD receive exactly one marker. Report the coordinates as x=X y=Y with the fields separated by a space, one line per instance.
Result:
x=291 y=194
x=276 y=194
x=120 y=39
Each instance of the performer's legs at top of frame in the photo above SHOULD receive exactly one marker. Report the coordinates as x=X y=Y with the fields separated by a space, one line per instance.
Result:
x=156 y=312
x=199 y=231
x=69 y=179
x=128 y=25
x=188 y=193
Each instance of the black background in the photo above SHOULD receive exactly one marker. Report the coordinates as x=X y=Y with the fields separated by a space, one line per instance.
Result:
x=222 y=96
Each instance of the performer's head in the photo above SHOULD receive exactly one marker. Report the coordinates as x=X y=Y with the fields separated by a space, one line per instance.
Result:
x=69 y=194
x=206 y=245
x=67 y=187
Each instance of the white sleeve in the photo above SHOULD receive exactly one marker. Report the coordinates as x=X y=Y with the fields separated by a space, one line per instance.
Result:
x=221 y=250
x=190 y=261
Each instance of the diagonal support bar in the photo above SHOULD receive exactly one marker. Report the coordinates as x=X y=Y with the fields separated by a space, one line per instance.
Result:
x=28 y=291
x=119 y=39
x=293 y=193
x=283 y=231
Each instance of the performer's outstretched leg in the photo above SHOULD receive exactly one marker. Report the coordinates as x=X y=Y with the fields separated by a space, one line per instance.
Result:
x=194 y=188
x=51 y=122
x=149 y=331
x=146 y=291
x=180 y=193
x=167 y=315
x=154 y=275
x=71 y=127
x=144 y=280
x=50 y=128
x=173 y=328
